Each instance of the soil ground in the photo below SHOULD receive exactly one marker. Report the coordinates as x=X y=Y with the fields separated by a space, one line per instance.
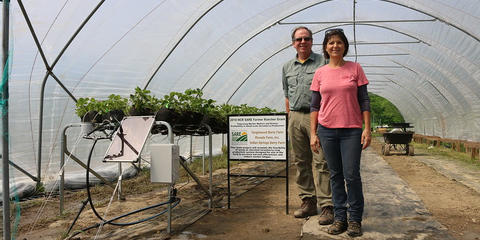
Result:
x=257 y=208
x=451 y=203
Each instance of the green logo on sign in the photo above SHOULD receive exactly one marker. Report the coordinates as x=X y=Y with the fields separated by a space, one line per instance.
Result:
x=239 y=136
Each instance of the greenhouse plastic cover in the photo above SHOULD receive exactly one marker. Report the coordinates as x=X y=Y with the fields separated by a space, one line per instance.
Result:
x=422 y=55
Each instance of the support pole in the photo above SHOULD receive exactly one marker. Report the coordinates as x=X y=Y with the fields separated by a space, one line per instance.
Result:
x=5 y=153
x=203 y=157
x=170 y=187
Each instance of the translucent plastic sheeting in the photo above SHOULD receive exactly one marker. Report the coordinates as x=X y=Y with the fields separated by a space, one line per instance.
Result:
x=424 y=56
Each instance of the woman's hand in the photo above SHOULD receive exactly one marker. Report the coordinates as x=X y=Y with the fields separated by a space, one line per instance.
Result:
x=366 y=138
x=314 y=143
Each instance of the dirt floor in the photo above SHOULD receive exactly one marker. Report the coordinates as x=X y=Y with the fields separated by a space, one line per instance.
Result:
x=451 y=203
x=257 y=208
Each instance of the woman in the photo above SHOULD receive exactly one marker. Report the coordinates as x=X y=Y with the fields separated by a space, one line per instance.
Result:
x=340 y=105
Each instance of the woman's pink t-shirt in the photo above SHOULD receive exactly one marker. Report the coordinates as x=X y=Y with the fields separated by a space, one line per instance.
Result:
x=339 y=107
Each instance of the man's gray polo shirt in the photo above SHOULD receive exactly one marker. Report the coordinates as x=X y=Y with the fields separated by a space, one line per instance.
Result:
x=297 y=78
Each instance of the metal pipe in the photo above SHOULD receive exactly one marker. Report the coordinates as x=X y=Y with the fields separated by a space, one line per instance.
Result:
x=76 y=33
x=169 y=215
x=183 y=162
x=169 y=130
x=35 y=39
x=210 y=167
x=439 y=18
x=5 y=152
x=203 y=157
x=170 y=189
x=191 y=148
x=40 y=130
x=120 y=177
x=178 y=42
x=23 y=171
x=353 y=22
x=287 y=46
x=89 y=169
x=253 y=36
x=42 y=91
x=63 y=146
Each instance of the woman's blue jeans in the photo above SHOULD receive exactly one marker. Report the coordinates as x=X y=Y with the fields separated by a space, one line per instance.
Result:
x=342 y=149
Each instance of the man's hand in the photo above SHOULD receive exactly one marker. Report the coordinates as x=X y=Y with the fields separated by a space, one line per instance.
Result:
x=314 y=143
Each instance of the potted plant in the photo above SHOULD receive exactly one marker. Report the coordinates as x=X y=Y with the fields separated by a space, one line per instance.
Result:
x=167 y=111
x=115 y=107
x=89 y=110
x=185 y=105
x=142 y=103
x=192 y=106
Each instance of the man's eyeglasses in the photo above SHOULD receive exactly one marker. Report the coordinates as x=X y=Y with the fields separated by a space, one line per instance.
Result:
x=333 y=30
x=306 y=39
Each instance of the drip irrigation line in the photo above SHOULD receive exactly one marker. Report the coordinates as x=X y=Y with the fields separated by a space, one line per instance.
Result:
x=173 y=199
x=99 y=230
x=48 y=196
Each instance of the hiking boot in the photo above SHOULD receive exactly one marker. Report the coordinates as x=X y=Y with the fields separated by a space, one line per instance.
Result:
x=326 y=216
x=308 y=208
x=354 y=229
x=337 y=227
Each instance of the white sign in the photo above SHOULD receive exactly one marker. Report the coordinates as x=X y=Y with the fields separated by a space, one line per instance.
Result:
x=258 y=137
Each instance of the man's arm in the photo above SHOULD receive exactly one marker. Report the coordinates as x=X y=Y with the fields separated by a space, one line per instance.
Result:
x=285 y=90
x=287 y=106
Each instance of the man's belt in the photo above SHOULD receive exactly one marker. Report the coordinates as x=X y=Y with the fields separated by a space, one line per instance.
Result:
x=302 y=110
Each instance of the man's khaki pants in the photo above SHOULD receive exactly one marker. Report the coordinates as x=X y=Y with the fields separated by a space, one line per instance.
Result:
x=312 y=183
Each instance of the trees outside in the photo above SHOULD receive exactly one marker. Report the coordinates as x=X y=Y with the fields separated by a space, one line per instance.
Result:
x=383 y=111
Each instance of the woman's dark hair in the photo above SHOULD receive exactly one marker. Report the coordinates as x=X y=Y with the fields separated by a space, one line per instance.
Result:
x=334 y=32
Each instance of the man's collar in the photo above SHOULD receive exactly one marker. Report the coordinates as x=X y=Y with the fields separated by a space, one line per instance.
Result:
x=311 y=57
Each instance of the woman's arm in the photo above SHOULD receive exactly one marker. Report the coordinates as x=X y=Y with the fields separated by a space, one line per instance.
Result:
x=314 y=108
x=314 y=142
x=364 y=102
x=366 y=134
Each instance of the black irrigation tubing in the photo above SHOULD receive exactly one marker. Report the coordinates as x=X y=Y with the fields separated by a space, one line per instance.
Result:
x=173 y=200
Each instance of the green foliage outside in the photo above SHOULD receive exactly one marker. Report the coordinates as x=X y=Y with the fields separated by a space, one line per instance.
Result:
x=383 y=111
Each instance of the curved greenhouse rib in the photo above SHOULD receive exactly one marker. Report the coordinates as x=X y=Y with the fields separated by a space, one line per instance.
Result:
x=430 y=83
x=254 y=35
x=354 y=30
x=414 y=103
x=345 y=24
x=395 y=96
x=115 y=44
x=410 y=93
x=254 y=70
x=50 y=73
x=178 y=42
x=434 y=16
x=31 y=74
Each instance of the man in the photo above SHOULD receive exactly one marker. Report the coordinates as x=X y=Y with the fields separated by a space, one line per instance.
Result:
x=312 y=176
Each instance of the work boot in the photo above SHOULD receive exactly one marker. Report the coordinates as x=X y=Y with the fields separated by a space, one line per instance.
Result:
x=354 y=229
x=337 y=227
x=308 y=208
x=326 y=216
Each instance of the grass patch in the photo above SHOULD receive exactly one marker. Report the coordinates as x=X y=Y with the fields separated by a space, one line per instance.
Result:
x=450 y=154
